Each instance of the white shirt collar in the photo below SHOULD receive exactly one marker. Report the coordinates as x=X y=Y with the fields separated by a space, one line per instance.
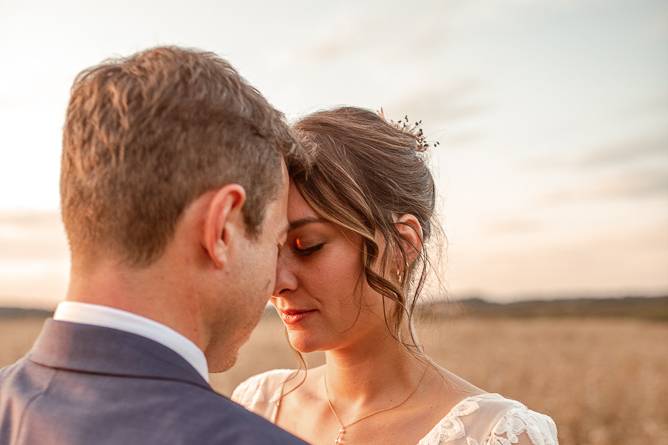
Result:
x=109 y=317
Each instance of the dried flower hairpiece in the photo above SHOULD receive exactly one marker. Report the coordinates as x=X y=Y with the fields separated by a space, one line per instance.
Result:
x=413 y=129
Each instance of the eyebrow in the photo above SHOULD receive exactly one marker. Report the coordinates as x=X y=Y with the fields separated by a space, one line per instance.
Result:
x=304 y=221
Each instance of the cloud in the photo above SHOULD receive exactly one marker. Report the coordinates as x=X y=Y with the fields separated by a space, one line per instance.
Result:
x=655 y=106
x=652 y=146
x=27 y=236
x=456 y=139
x=649 y=183
x=512 y=226
x=29 y=219
x=615 y=262
x=442 y=103
x=34 y=259
x=621 y=153
x=412 y=33
x=635 y=168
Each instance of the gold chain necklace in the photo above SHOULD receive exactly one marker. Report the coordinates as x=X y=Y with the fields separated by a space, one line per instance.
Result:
x=342 y=429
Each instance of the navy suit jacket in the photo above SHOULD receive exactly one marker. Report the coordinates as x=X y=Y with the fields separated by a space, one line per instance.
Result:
x=83 y=384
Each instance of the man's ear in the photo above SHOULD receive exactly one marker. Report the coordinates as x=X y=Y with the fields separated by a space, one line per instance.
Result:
x=410 y=231
x=223 y=220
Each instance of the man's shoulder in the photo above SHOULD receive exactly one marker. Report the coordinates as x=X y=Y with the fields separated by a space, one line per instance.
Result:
x=17 y=374
x=8 y=369
x=216 y=419
x=5 y=371
x=156 y=409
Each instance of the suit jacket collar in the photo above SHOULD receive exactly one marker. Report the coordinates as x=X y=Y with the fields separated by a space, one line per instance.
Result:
x=99 y=350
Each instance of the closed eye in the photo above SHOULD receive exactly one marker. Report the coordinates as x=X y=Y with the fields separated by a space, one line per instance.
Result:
x=306 y=251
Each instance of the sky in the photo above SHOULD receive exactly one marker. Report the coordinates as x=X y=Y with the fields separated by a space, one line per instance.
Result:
x=552 y=118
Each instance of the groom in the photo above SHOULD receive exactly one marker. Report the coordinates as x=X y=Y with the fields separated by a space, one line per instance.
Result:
x=173 y=194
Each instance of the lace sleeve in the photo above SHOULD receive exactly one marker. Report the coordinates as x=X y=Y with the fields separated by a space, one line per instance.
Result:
x=521 y=426
x=261 y=392
x=246 y=392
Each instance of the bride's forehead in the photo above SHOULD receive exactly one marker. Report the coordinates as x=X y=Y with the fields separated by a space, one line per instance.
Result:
x=298 y=208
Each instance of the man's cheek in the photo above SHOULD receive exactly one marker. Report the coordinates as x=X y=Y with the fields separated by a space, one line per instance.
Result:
x=269 y=287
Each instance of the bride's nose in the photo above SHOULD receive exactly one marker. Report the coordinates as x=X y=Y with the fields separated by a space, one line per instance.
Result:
x=286 y=281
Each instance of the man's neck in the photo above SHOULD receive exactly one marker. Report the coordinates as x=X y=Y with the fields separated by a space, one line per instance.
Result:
x=150 y=292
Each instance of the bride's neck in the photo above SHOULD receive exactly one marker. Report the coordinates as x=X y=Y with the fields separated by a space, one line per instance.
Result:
x=378 y=367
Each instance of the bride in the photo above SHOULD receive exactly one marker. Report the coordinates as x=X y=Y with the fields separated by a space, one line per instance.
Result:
x=348 y=281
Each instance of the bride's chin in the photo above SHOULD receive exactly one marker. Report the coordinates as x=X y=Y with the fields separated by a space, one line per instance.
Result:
x=301 y=342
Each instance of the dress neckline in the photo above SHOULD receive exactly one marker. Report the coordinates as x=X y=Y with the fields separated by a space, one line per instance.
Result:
x=451 y=421
x=467 y=405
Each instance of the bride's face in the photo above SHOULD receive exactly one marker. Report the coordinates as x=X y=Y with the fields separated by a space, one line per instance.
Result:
x=321 y=294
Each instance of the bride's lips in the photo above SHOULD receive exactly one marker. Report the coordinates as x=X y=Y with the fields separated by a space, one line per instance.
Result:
x=295 y=316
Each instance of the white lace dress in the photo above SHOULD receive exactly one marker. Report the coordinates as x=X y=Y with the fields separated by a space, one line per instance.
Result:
x=487 y=419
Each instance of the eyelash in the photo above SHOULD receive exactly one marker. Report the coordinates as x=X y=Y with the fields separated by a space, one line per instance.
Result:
x=308 y=251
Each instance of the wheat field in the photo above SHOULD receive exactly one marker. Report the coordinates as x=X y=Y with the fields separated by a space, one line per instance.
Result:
x=602 y=380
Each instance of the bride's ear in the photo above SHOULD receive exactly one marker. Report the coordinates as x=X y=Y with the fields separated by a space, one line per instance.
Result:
x=410 y=231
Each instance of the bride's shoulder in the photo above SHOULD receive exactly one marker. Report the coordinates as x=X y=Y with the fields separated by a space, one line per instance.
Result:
x=492 y=419
x=261 y=387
